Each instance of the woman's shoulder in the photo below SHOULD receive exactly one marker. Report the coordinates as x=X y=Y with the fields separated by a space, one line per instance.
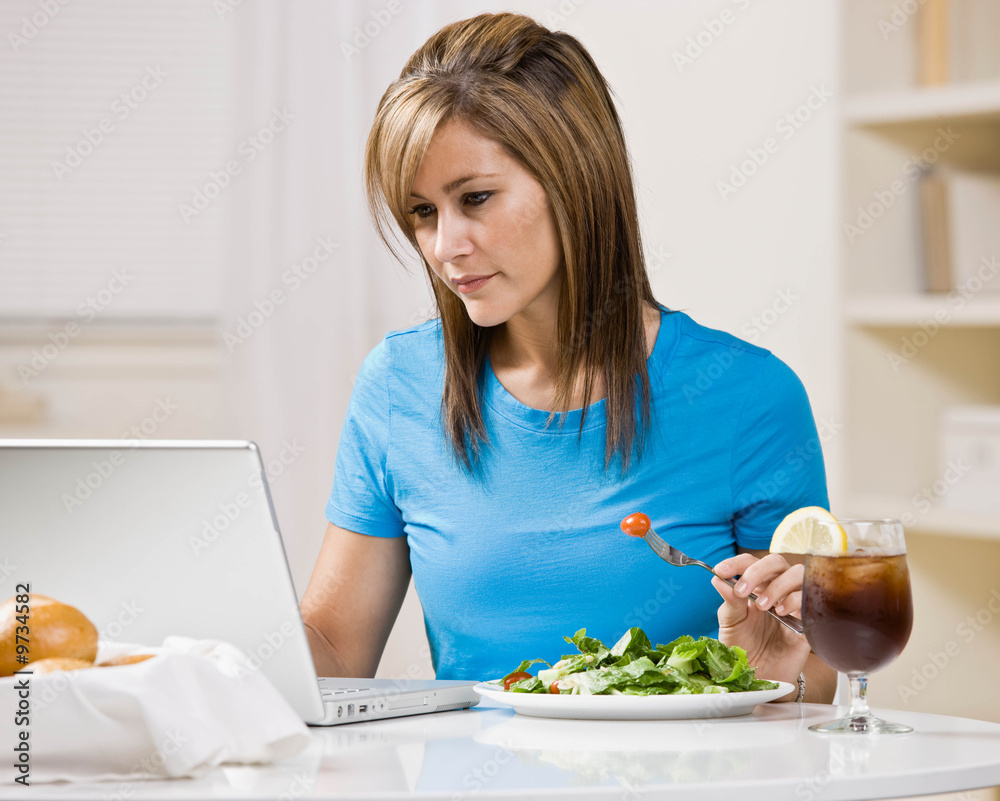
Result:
x=408 y=350
x=420 y=336
x=706 y=357
x=692 y=332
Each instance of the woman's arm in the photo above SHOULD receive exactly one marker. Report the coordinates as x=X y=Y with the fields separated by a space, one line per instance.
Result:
x=352 y=600
x=777 y=652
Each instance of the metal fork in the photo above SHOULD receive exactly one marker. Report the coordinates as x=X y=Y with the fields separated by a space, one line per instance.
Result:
x=668 y=553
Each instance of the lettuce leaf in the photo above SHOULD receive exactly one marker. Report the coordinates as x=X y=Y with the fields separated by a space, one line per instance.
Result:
x=587 y=645
x=522 y=668
x=532 y=685
x=633 y=667
x=686 y=655
x=634 y=644
x=668 y=649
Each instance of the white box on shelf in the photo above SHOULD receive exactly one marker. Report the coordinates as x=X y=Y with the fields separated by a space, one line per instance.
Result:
x=970 y=458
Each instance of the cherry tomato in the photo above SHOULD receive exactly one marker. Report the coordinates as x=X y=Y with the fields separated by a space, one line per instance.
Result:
x=636 y=524
x=515 y=677
x=554 y=688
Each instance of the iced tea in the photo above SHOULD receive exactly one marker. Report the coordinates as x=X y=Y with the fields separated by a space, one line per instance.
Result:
x=857 y=609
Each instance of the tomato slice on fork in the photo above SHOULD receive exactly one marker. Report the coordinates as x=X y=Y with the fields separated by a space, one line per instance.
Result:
x=637 y=524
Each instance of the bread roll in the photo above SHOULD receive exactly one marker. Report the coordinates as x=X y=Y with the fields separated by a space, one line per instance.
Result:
x=54 y=630
x=55 y=663
x=125 y=659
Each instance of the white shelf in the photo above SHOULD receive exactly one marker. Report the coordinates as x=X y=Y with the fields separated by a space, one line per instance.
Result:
x=978 y=101
x=979 y=311
x=936 y=520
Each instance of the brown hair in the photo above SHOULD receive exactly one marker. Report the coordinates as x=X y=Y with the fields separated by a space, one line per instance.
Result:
x=539 y=94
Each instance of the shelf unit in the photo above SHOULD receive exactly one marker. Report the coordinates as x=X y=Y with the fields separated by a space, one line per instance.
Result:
x=935 y=522
x=906 y=355
x=909 y=354
x=896 y=390
x=890 y=311
x=958 y=103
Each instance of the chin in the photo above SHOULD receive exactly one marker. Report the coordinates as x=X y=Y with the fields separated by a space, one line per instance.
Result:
x=484 y=315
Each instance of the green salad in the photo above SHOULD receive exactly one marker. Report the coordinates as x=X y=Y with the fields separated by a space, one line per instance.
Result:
x=633 y=666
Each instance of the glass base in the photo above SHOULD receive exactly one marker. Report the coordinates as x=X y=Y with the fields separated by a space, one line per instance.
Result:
x=860 y=724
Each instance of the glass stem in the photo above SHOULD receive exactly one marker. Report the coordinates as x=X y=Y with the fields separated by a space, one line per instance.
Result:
x=859 y=695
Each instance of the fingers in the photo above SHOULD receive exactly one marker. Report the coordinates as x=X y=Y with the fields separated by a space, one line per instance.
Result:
x=772 y=579
x=784 y=590
x=734 y=609
x=735 y=565
x=791 y=605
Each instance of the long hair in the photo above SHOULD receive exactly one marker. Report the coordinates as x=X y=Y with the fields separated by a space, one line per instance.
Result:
x=539 y=94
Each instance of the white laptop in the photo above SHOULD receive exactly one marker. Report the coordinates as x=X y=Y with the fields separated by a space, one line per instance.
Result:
x=154 y=538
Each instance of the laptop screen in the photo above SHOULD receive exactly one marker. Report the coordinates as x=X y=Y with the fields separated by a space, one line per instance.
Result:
x=151 y=539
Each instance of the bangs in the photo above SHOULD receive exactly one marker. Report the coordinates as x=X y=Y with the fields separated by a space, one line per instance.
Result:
x=408 y=116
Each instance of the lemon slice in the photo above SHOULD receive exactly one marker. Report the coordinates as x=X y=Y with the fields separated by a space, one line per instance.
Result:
x=811 y=529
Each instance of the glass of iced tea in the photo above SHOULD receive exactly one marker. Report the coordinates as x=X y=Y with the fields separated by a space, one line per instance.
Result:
x=858 y=612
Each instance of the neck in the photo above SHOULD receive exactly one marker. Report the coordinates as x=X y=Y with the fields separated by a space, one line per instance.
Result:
x=524 y=357
x=526 y=344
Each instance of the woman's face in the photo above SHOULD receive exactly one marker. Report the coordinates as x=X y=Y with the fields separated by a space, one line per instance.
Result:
x=484 y=225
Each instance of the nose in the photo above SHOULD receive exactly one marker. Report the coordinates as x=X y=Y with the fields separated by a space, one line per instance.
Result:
x=452 y=237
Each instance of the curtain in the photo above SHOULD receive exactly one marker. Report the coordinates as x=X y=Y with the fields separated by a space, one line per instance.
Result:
x=310 y=290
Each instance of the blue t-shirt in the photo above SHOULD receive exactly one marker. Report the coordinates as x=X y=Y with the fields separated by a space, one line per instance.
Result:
x=528 y=549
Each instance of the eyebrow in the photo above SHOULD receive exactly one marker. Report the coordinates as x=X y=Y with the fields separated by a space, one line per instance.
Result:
x=449 y=188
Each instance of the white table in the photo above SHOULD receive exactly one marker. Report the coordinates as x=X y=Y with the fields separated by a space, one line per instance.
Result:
x=491 y=753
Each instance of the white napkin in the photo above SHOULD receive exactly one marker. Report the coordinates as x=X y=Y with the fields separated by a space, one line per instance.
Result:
x=195 y=706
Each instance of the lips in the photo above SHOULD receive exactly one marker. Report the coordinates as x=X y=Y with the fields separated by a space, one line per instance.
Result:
x=470 y=283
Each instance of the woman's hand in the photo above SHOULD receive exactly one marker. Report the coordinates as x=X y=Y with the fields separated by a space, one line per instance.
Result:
x=778 y=653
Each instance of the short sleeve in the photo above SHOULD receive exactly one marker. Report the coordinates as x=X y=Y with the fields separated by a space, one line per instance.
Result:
x=777 y=456
x=361 y=500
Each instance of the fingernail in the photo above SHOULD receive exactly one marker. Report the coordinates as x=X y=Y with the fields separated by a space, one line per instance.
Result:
x=762 y=601
x=742 y=588
x=780 y=609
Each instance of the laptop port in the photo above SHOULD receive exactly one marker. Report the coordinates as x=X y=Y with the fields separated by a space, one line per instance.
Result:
x=362 y=708
x=350 y=710
x=340 y=711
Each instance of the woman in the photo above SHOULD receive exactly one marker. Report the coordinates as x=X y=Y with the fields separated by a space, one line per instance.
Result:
x=493 y=451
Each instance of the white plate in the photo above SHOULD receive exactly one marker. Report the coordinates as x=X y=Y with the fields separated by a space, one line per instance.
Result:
x=632 y=707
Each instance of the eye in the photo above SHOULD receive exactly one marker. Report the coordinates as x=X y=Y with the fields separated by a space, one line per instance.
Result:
x=477 y=198
x=421 y=212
